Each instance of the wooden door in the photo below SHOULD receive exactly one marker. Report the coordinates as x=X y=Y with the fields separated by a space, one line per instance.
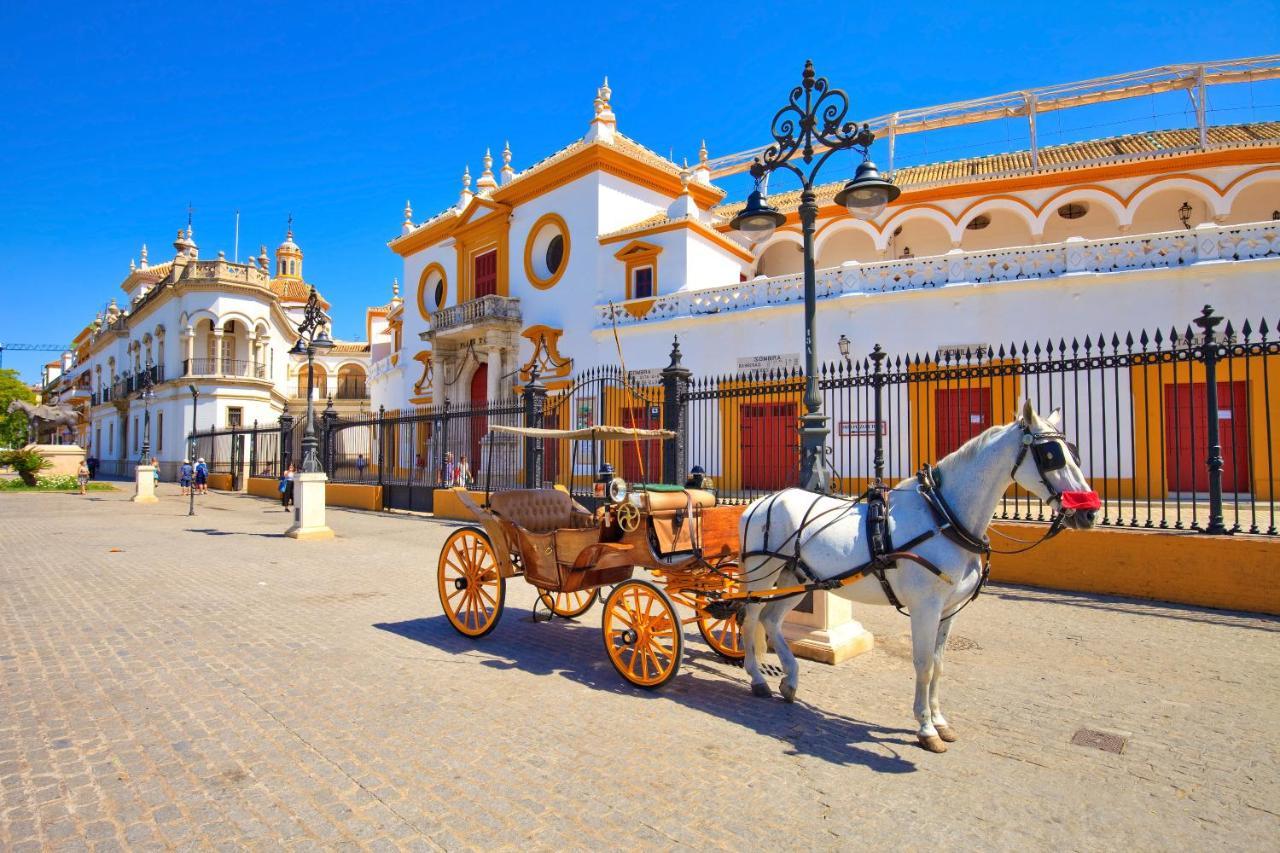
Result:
x=633 y=471
x=959 y=415
x=769 y=443
x=486 y=274
x=1186 y=430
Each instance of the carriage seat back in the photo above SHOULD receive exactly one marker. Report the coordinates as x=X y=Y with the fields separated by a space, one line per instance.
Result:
x=539 y=510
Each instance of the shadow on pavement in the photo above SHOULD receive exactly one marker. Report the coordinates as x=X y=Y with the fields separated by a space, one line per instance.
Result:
x=577 y=653
x=209 y=531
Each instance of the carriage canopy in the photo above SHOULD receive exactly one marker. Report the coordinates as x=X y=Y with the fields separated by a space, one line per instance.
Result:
x=592 y=433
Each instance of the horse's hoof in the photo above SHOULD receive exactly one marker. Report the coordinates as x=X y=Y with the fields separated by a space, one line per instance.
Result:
x=761 y=690
x=788 y=692
x=947 y=733
x=933 y=743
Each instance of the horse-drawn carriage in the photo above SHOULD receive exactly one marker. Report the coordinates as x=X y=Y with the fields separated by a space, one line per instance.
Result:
x=687 y=545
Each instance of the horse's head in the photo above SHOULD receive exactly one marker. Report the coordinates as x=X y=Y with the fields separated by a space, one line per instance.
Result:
x=1048 y=466
x=15 y=406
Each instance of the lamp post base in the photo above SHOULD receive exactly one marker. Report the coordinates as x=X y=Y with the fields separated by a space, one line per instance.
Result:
x=309 y=508
x=815 y=471
x=144 y=481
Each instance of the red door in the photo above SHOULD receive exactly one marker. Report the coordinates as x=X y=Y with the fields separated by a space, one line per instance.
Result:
x=959 y=415
x=641 y=417
x=1186 y=430
x=486 y=270
x=479 y=423
x=551 y=447
x=770 y=446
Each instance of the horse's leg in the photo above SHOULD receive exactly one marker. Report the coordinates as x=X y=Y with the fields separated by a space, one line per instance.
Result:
x=935 y=696
x=753 y=638
x=924 y=635
x=774 y=613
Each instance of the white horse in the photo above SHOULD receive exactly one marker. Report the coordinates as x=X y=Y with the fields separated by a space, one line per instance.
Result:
x=1030 y=452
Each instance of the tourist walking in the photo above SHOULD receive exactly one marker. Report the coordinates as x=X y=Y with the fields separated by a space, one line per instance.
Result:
x=202 y=477
x=93 y=467
x=462 y=474
x=361 y=465
x=155 y=464
x=185 y=475
x=448 y=471
x=82 y=477
x=286 y=488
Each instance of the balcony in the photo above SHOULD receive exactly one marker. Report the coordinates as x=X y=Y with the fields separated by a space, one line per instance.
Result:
x=226 y=368
x=353 y=389
x=499 y=311
x=1150 y=251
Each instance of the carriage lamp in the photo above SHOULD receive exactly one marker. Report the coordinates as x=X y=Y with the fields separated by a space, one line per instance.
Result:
x=1184 y=213
x=868 y=194
x=806 y=133
x=758 y=220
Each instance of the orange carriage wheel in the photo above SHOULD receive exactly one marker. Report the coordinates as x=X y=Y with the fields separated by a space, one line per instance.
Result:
x=724 y=636
x=568 y=605
x=472 y=591
x=643 y=634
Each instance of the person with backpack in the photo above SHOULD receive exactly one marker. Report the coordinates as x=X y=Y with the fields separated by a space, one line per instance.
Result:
x=185 y=475
x=286 y=487
x=202 y=477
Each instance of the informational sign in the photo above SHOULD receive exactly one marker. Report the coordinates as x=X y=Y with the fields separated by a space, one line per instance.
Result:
x=785 y=361
x=648 y=376
x=586 y=413
x=851 y=428
x=955 y=352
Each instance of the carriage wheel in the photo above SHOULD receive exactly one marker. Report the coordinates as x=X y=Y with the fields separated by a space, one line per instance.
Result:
x=471 y=589
x=568 y=605
x=642 y=633
x=724 y=636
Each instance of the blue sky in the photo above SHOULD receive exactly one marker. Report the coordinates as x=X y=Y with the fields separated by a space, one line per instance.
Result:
x=114 y=116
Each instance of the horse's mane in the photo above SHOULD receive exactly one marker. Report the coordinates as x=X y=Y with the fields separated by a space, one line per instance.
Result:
x=972 y=447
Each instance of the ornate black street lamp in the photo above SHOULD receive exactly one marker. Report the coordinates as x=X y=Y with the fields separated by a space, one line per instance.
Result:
x=810 y=128
x=147 y=395
x=312 y=337
x=191 y=454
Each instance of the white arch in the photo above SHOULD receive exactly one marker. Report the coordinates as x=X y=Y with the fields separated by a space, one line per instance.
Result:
x=1206 y=193
x=902 y=217
x=1019 y=209
x=1269 y=174
x=1089 y=194
x=778 y=237
x=200 y=314
x=238 y=317
x=844 y=225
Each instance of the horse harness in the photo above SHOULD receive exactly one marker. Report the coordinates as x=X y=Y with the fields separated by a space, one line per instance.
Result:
x=1048 y=451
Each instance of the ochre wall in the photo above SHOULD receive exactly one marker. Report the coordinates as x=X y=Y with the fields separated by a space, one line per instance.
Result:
x=264 y=487
x=445 y=504
x=1229 y=572
x=356 y=496
x=220 y=482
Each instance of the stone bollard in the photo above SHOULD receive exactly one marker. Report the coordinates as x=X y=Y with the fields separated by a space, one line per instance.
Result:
x=144 y=481
x=308 y=509
x=823 y=629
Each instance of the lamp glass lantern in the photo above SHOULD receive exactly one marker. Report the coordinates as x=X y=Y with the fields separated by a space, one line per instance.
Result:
x=758 y=220
x=868 y=194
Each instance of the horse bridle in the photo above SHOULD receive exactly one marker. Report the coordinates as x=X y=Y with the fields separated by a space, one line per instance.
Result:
x=1049 y=450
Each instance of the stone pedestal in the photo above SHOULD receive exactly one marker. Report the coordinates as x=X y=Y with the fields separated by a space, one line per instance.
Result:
x=144 y=485
x=308 y=508
x=822 y=628
x=64 y=459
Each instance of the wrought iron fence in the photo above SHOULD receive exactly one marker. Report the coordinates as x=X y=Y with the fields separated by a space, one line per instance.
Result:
x=1174 y=427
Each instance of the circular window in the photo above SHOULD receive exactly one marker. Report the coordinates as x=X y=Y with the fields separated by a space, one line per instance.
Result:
x=979 y=222
x=433 y=290
x=555 y=253
x=1073 y=210
x=546 y=252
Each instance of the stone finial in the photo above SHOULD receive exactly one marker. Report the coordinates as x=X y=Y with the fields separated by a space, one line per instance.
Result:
x=486 y=183
x=263 y=260
x=464 y=198
x=605 y=122
x=702 y=154
x=684 y=206
x=144 y=256
x=408 y=213
x=132 y=267
x=507 y=172
x=179 y=244
x=395 y=289
x=222 y=256
x=466 y=178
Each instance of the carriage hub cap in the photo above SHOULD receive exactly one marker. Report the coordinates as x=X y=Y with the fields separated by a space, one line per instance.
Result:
x=629 y=637
x=459 y=584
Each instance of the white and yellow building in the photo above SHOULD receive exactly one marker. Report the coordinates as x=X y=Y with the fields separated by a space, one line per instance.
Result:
x=224 y=328
x=605 y=237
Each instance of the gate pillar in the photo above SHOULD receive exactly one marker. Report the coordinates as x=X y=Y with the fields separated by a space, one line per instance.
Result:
x=675 y=417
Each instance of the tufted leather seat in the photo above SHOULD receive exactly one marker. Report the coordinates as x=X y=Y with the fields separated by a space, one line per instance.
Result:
x=539 y=510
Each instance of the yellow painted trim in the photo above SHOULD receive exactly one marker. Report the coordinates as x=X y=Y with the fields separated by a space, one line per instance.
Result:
x=544 y=220
x=635 y=255
x=423 y=310
x=685 y=224
x=425 y=359
x=546 y=354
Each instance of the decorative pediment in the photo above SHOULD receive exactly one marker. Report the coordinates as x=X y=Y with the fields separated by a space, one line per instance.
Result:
x=637 y=249
x=546 y=354
x=478 y=209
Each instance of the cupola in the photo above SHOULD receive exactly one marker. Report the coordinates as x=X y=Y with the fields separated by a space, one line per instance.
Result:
x=289 y=256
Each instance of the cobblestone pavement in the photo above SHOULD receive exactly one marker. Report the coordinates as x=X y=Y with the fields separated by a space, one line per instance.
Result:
x=203 y=682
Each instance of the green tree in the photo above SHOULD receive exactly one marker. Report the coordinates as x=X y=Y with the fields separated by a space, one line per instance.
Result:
x=13 y=427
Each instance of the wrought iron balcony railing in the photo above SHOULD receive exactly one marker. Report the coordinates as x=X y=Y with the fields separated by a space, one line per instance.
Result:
x=223 y=367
